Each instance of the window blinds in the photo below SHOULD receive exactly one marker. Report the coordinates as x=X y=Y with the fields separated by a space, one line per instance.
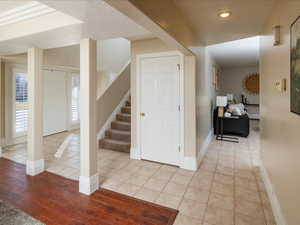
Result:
x=21 y=103
x=75 y=98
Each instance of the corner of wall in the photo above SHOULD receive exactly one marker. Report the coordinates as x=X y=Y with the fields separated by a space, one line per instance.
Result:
x=204 y=147
x=272 y=196
x=189 y=163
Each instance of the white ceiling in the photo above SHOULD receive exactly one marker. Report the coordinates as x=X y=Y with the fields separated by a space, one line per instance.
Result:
x=94 y=18
x=100 y=20
x=9 y=4
x=247 y=20
x=240 y=53
x=23 y=12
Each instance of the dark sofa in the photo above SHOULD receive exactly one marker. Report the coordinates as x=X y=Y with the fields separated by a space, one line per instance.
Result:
x=232 y=126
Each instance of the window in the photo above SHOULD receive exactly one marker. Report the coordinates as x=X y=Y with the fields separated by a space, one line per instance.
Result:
x=21 y=103
x=75 y=99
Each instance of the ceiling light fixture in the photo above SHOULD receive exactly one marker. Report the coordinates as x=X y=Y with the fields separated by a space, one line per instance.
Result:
x=224 y=14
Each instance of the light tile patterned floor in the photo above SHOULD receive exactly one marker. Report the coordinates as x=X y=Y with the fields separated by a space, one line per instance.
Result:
x=226 y=190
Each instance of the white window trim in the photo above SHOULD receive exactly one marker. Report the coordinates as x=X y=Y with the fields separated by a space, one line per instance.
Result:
x=16 y=70
x=72 y=124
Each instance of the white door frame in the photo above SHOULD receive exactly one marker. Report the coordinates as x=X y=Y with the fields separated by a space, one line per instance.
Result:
x=138 y=151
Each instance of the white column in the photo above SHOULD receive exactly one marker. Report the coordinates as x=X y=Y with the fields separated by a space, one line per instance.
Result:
x=1 y=104
x=89 y=178
x=35 y=157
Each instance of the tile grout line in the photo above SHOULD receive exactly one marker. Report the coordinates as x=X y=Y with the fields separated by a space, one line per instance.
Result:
x=210 y=189
x=234 y=189
x=261 y=200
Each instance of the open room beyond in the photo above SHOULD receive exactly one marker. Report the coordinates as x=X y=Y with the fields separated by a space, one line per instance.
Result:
x=129 y=112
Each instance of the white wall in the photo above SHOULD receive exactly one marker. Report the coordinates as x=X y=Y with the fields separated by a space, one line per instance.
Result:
x=232 y=81
x=112 y=54
x=205 y=96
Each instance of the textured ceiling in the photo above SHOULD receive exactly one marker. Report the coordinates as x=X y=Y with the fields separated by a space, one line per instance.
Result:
x=247 y=20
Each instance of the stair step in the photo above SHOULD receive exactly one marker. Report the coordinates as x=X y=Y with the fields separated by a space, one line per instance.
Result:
x=123 y=117
x=128 y=103
x=126 y=109
x=121 y=146
x=121 y=125
x=118 y=135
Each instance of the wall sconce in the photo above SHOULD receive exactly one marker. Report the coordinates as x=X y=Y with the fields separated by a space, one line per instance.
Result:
x=276 y=30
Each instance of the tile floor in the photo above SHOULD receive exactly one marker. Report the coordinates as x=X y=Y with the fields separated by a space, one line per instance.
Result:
x=227 y=189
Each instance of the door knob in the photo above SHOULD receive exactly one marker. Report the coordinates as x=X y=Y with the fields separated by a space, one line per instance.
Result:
x=142 y=114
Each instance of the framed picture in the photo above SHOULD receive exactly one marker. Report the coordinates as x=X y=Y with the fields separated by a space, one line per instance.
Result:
x=216 y=77
x=295 y=66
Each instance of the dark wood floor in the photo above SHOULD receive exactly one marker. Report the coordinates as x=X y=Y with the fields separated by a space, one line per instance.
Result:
x=55 y=200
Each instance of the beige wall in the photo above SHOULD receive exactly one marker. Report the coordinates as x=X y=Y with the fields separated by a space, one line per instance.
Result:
x=205 y=97
x=69 y=57
x=280 y=128
x=8 y=114
x=169 y=17
x=155 y=46
x=66 y=56
x=232 y=81
x=112 y=97
x=2 y=99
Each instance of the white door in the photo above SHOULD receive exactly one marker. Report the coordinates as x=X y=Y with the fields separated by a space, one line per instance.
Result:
x=159 y=101
x=55 y=102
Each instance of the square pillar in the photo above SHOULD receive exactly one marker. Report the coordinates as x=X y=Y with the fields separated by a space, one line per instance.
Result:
x=1 y=103
x=35 y=156
x=89 y=178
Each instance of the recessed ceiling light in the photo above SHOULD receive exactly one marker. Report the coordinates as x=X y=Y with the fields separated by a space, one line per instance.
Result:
x=224 y=14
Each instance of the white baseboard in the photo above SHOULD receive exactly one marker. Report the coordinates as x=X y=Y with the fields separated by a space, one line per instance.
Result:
x=88 y=185
x=75 y=126
x=189 y=163
x=272 y=196
x=134 y=154
x=1 y=151
x=35 y=167
x=112 y=116
x=203 y=149
x=14 y=141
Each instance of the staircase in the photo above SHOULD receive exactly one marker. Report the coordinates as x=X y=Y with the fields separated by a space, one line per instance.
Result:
x=118 y=137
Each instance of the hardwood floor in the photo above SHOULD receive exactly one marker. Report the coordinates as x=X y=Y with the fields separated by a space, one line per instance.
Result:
x=55 y=200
